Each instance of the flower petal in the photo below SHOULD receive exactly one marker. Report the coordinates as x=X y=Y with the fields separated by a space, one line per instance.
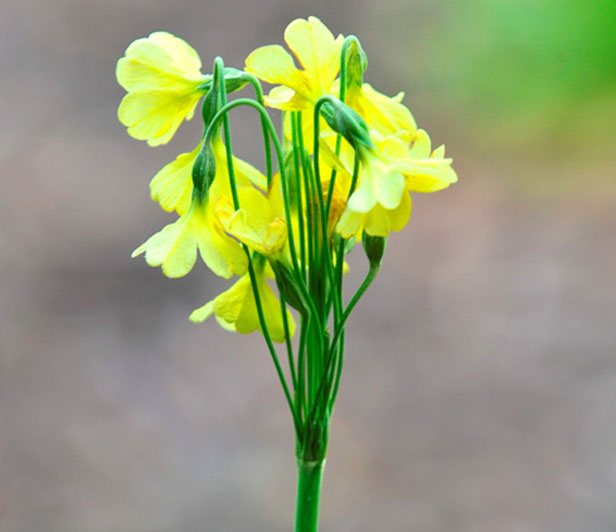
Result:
x=155 y=115
x=317 y=50
x=201 y=314
x=172 y=186
x=230 y=303
x=388 y=188
x=272 y=64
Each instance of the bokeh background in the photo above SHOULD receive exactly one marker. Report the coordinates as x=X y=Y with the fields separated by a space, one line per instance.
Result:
x=479 y=392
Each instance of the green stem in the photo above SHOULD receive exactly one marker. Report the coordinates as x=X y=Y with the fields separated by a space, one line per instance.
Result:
x=309 y=477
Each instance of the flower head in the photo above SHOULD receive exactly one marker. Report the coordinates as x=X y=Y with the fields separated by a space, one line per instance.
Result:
x=162 y=76
x=256 y=223
x=172 y=186
x=381 y=202
x=318 y=53
x=175 y=246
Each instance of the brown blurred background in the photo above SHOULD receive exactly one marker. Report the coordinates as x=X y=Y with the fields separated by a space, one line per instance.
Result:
x=479 y=392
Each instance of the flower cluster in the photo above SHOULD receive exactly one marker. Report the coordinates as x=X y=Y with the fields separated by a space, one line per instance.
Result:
x=342 y=173
x=350 y=167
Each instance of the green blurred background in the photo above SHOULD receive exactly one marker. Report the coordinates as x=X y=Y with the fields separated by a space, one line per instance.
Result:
x=479 y=392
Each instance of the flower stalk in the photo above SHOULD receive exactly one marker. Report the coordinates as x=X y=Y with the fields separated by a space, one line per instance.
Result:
x=309 y=480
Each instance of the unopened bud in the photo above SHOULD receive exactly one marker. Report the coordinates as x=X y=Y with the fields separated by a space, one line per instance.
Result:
x=204 y=171
x=374 y=246
x=356 y=62
x=344 y=120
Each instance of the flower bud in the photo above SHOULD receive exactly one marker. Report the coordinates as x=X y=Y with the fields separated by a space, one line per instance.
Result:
x=356 y=62
x=344 y=120
x=374 y=246
x=204 y=171
x=287 y=286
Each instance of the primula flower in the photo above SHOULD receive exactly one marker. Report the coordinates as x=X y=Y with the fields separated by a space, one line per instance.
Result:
x=318 y=53
x=162 y=76
x=256 y=223
x=236 y=309
x=172 y=186
x=381 y=203
x=175 y=246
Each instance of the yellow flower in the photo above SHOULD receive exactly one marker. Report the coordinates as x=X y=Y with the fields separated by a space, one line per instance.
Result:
x=162 y=76
x=381 y=202
x=172 y=186
x=298 y=90
x=319 y=55
x=256 y=223
x=175 y=246
x=236 y=309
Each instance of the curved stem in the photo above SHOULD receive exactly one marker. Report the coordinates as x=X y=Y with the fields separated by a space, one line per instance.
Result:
x=218 y=64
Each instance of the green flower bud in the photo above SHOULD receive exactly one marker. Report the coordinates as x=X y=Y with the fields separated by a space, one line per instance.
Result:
x=356 y=62
x=374 y=246
x=288 y=286
x=204 y=171
x=211 y=102
x=344 y=120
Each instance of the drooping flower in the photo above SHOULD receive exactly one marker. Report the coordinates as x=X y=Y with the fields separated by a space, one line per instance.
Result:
x=256 y=223
x=162 y=76
x=236 y=308
x=172 y=186
x=175 y=246
x=381 y=202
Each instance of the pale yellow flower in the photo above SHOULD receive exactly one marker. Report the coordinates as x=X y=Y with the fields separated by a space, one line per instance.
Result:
x=381 y=202
x=175 y=246
x=256 y=223
x=162 y=76
x=172 y=186
x=318 y=53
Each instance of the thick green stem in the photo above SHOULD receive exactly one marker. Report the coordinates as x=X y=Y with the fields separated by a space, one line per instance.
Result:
x=309 y=477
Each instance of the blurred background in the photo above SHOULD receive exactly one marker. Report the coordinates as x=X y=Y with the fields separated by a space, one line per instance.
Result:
x=479 y=391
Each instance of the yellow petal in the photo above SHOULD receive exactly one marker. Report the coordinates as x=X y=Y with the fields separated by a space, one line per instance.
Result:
x=316 y=49
x=349 y=224
x=160 y=61
x=253 y=224
x=155 y=115
x=428 y=175
x=286 y=99
x=172 y=186
x=384 y=114
x=272 y=64
x=201 y=314
x=246 y=171
x=420 y=148
x=388 y=188
x=230 y=303
x=381 y=221
x=223 y=255
x=173 y=247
